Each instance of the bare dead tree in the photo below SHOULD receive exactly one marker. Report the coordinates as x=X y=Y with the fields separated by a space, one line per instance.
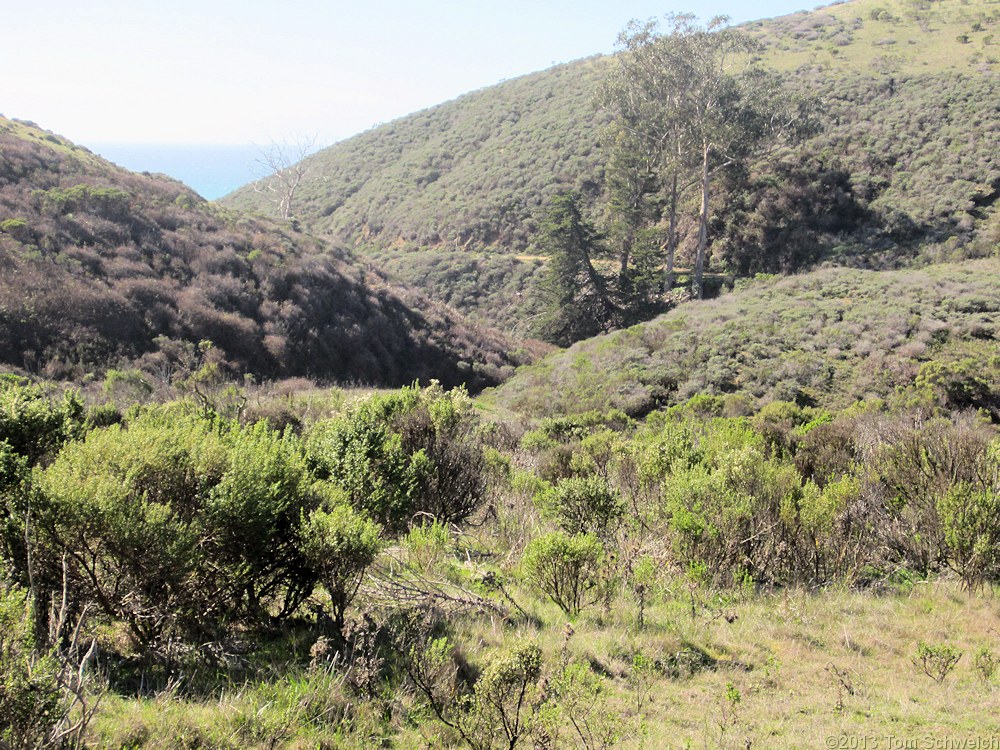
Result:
x=280 y=168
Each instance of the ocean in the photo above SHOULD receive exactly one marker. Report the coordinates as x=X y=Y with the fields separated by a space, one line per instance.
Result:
x=211 y=170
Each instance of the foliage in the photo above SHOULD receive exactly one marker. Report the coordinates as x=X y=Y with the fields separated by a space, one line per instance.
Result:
x=577 y=304
x=936 y=660
x=113 y=270
x=810 y=339
x=32 y=423
x=176 y=524
x=968 y=513
x=582 y=506
x=340 y=543
x=567 y=568
x=30 y=698
x=687 y=104
x=403 y=455
x=501 y=699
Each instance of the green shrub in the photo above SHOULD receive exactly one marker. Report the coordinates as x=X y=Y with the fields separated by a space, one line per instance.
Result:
x=30 y=697
x=405 y=454
x=936 y=660
x=968 y=513
x=985 y=662
x=177 y=524
x=340 y=544
x=582 y=505
x=568 y=569
x=32 y=422
x=497 y=715
x=16 y=228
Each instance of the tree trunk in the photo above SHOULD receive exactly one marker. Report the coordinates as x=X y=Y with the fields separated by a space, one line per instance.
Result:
x=671 y=244
x=624 y=257
x=699 y=268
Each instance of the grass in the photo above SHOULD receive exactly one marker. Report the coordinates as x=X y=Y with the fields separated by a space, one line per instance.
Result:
x=908 y=37
x=805 y=666
x=31 y=132
x=783 y=654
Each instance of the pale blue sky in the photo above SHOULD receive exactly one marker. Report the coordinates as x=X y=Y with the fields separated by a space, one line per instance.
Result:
x=255 y=71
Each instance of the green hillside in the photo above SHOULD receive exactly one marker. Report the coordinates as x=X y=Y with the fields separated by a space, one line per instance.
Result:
x=106 y=268
x=906 y=37
x=902 y=169
x=827 y=338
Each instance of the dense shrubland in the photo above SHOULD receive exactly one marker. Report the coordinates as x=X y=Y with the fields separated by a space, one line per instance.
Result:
x=747 y=523
x=402 y=567
x=102 y=267
x=897 y=173
x=831 y=337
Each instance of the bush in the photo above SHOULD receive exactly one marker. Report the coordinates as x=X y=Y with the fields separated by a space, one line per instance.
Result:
x=497 y=714
x=32 y=423
x=936 y=660
x=340 y=544
x=30 y=698
x=969 y=513
x=582 y=506
x=568 y=569
x=177 y=524
x=405 y=454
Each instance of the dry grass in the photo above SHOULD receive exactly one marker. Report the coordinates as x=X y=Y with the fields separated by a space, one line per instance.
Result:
x=911 y=38
x=806 y=667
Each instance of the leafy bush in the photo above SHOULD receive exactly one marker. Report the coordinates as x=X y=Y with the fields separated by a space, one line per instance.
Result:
x=32 y=423
x=568 y=569
x=340 y=544
x=403 y=455
x=968 y=512
x=936 y=660
x=582 y=505
x=30 y=697
x=174 y=523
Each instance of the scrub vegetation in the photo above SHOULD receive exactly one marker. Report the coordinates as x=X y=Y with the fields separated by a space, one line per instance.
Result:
x=897 y=172
x=765 y=518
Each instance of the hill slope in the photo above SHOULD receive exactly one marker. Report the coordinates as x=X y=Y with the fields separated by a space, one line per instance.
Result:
x=101 y=266
x=828 y=337
x=910 y=103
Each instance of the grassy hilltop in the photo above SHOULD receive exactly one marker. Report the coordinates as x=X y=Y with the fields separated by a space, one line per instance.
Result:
x=829 y=337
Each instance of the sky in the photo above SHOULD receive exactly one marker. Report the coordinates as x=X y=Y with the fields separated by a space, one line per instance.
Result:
x=249 y=71
x=111 y=74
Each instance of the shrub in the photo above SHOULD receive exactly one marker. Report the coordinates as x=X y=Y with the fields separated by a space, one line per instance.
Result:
x=33 y=423
x=177 y=524
x=985 y=662
x=408 y=453
x=30 y=698
x=582 y=505
x=361 y=455
x=16 y=228
x=15 y=480
x=501 y=692
x=568 y=569
x=340 y=543
x=969 y=514
x=936 y=660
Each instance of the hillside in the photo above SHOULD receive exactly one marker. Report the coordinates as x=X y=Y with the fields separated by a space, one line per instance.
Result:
x=103 y=267
x=827 y=338
x=903 y=168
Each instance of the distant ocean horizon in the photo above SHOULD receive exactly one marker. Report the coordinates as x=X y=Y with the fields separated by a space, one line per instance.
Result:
x=210 y=170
